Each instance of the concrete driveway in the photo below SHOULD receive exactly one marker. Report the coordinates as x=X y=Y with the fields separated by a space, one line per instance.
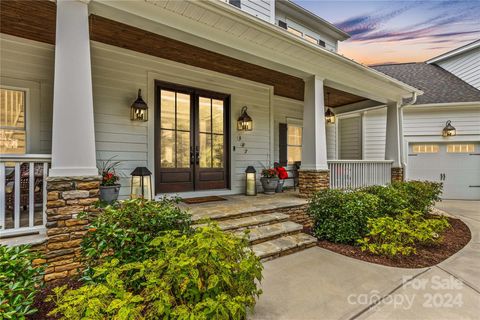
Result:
x=319 y=284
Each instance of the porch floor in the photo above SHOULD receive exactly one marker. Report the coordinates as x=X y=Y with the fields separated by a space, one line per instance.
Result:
x=236 y=205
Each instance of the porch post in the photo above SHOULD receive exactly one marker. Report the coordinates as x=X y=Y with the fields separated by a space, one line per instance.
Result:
x=313 y=174
x=73 y=182
x=73 y=135
x=394 y=140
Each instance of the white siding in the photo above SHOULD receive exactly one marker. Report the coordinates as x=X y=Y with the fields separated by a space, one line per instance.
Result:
x=350 y=139
x=263 y=9
x=466 y=66
x=117 y=75
x=331 y=141
x=374 y=134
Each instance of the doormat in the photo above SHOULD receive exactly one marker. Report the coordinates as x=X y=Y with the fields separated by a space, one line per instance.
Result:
x=203 y=199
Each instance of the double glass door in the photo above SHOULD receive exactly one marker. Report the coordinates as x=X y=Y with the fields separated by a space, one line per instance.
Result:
x=191 y=139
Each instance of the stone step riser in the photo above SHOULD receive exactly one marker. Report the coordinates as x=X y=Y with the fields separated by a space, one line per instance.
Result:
x=254 y=225
x=260 y=240
x=287 y=252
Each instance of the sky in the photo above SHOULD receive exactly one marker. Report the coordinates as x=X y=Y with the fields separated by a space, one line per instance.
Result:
x=400 y=31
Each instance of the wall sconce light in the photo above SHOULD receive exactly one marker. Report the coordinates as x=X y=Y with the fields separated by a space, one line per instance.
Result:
x=250 y=181
x=329 y=116
x=139 y=109
x=244 y=122
x=449 y=130
x=141 y=184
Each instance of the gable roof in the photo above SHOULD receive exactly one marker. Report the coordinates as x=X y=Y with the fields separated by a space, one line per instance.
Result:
x=438 y=85
x=455 y=52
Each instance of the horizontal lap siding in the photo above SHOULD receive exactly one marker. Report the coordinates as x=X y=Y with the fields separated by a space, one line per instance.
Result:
x=375 y=129
x=466 y=66
x=350 y=140
x=259 y=8
x=331 y=141
x=33 y=61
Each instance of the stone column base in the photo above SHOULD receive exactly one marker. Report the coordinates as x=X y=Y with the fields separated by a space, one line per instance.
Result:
x=66 y=198
x=311 y=181
x=397 y=175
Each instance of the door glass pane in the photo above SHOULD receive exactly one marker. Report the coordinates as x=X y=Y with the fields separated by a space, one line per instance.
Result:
x=167 y=107
x=217 y=151
x=205 y=150
x=217 y=116
x=183 y=111
x=167 y=149
x=205 y=115
x=183 y=149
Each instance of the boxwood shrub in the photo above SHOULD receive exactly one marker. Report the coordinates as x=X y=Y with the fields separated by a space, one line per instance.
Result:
x=124 y=230
x=392 y=201
x=341 y=216
x=19 y=280
x=209 y=274
x=419 y=195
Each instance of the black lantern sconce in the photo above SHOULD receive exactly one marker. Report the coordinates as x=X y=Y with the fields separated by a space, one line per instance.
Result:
x=139 y=109
x=141 y=184
x=329 y=116
x=250 y=181
x=244 y=122
x=449 y=130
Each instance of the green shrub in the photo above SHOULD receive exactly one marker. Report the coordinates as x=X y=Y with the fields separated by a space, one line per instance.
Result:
x=398 y=236
x=125 y=230
x=392 y=201
x=18 y=281
x=419 y=195
x=205 y=275
x=341 y=216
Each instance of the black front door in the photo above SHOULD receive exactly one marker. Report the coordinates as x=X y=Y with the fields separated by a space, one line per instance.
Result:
x=191 y=139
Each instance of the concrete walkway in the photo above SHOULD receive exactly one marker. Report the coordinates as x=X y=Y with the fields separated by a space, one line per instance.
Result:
x=319 y=284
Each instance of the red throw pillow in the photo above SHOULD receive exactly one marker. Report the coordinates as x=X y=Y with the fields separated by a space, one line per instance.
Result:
x=282 y=173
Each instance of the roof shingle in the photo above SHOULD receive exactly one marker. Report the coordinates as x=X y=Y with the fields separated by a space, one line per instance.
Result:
x=438 y=85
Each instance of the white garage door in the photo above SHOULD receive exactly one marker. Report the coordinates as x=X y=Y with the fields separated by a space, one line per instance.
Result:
x=456 y=165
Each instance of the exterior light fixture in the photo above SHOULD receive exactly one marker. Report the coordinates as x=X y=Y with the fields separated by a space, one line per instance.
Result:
x=139 y=109
x=329 y=116
x=141 y=184
x=244 y=122
x=250 y=181
x=449 y=130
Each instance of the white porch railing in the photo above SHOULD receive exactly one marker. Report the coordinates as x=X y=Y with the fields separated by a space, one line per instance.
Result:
x=23 y=194
x=351 y=174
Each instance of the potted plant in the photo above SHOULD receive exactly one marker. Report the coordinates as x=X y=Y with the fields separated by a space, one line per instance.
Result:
x=109 y=186
x=269 y=180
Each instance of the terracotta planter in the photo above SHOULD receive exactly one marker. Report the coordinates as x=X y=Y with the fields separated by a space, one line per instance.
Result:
x=269 y=185
x=109 y=194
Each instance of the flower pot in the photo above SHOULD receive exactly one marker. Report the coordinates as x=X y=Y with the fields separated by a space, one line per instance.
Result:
x=269 y=185
x=109 y=194
x=279 y=187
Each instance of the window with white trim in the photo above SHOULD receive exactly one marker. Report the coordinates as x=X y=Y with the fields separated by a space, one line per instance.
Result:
x=294 y=143
x=461 y=148
x=295 y=31
x=426 y=148
x=12 y=121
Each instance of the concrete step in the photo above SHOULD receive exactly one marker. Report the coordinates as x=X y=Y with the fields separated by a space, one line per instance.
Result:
x=252 y=221
x=284 y=245
x=268 y=232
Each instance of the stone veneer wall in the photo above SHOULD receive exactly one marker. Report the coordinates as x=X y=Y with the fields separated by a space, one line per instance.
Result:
x=397 y=174
x=311 y=181
x=66 y=198
x=297 y=214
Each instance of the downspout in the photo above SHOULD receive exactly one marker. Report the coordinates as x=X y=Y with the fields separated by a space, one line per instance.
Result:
x=400 y=134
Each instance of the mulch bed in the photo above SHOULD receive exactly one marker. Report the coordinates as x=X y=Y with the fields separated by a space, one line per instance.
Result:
x=45 y=307
x=454 y=239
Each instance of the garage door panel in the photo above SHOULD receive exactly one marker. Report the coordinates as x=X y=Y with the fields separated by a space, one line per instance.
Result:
x=459 y=166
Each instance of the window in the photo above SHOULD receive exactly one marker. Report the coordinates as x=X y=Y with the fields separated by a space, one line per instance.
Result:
x=321 y=43
x=425 y=148
x=311 y=39
x=294 y=31
x=460 y=148
x=294 y=143
x=12 y=121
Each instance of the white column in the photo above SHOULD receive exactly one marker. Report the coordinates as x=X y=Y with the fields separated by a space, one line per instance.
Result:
x=314 y=151
x=394 y=136
x=73 y=134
